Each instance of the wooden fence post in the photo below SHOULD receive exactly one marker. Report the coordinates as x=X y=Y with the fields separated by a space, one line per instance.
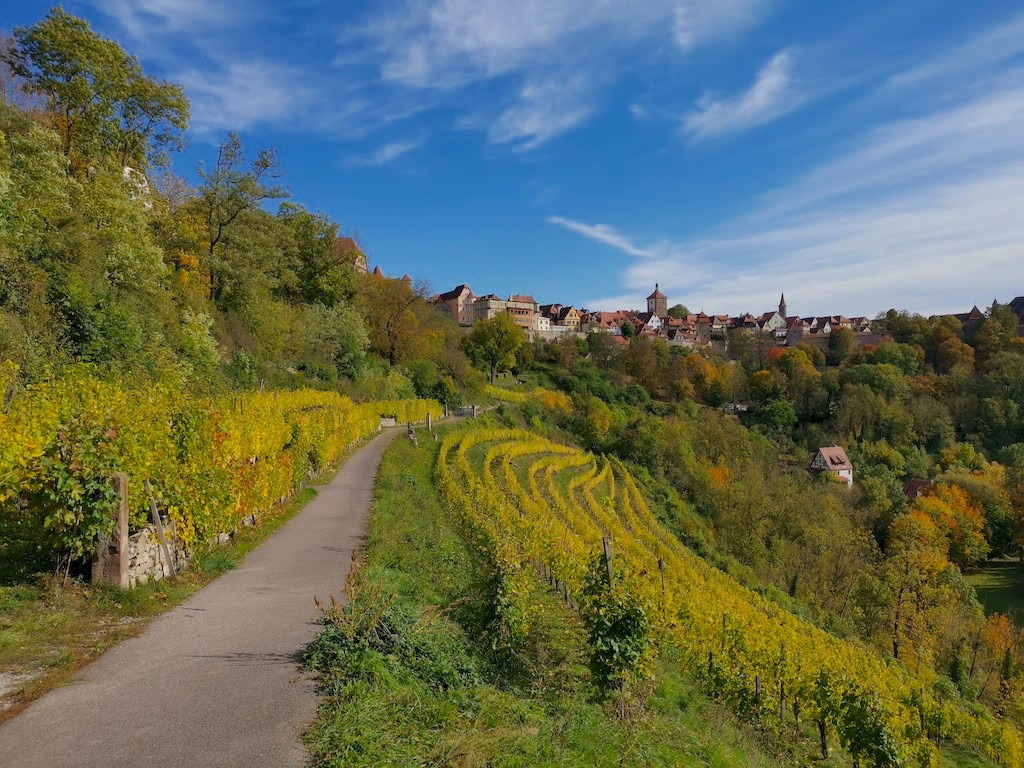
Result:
x=661 y=567
x=110 y=559
x=608 y=561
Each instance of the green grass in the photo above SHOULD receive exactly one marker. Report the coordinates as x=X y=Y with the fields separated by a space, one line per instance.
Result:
x=409 y=678
x=1000 y=588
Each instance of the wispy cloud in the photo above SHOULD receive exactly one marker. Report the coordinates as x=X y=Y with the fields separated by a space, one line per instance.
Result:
x=385 y=154
x=773 y=94
x=523 y=73
x=240 y=95
x=1002 y=43
x=553 y=59
x=545 y=108
x=603 y=233
x=698 y=21
x=923 y=213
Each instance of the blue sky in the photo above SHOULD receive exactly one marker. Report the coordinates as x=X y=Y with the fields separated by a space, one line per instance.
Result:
x=856 y=155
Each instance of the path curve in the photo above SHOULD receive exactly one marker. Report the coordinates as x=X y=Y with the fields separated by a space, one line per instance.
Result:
x=217 y=680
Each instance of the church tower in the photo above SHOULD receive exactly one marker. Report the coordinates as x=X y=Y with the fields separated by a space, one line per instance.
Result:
x=657 y=303
x=782 y=306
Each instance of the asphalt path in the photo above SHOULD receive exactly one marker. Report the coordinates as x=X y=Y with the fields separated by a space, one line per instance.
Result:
x=216 y=681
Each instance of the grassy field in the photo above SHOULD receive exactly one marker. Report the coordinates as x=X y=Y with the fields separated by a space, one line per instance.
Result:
x=1000 y=588
x=409 y=677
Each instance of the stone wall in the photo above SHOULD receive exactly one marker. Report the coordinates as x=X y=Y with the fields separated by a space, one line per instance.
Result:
x=146 y=559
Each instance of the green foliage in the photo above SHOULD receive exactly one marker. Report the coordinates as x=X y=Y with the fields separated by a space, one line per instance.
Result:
x=75 y=495
x=780 y=416
x=100 y=97
x=496 y=342
x=619 y=628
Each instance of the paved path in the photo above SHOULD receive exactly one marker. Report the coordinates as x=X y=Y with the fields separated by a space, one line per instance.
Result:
x=216 y=681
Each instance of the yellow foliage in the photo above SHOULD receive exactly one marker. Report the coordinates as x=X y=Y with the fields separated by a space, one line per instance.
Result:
x=211 y=461
x=529 y=502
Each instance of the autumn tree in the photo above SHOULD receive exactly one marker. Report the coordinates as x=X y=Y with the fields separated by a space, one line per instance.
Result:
x=960 y=522
x=603 y=349
x=915 y=560
x=97 y=96
x=229 y=190
x=496 y=342
x=398 y=318
x=840 y=345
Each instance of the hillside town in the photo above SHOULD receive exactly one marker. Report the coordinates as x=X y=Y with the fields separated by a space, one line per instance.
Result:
x=675 y=325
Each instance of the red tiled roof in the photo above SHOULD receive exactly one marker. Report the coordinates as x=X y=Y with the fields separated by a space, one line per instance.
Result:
x=346 y=244
x=521 y=299
x=835 y=457
x=454 y=293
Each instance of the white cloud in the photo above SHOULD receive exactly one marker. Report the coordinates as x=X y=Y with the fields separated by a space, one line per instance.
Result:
x=240 y=95
x=995 y=46
x=555 y=57
x=923 y=214
x=697 y=21
x=773 y=94
x=522 y=72
x=545 y=108
x=385 y=154
x=145 y=20
x=602 y=233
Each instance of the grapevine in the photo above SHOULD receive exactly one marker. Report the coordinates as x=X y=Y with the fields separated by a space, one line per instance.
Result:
x=527 y=502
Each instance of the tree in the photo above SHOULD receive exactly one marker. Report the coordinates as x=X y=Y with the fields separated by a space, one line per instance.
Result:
x=780 y=416
x=603 y=349
x=496 y=341
x=229 y=190
x=678 y=311
x=628 y=331
x=98 y=97
x=840 y=345
x=397 y=317
x=904 y=356
x=321 y=275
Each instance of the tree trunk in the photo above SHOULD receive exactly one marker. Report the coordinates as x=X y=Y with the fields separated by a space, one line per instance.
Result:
x=823 y=735
x=494 y=372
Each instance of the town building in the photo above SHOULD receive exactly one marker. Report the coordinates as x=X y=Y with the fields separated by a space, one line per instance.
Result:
x=524 y=310
x=458 y=304
x=657 y=303
x=348 y=250
x=833 y=460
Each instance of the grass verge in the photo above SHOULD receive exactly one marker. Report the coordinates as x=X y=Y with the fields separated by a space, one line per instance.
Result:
x=408 y=676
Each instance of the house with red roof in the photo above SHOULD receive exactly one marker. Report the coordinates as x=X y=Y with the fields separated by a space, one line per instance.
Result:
x=457 y=304
x=833 y=460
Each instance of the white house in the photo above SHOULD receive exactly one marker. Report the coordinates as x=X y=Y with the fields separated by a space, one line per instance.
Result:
x=833 y=459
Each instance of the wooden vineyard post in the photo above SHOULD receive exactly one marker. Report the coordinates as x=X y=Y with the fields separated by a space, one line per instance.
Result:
x=608 y=561
x=661 y=568
x=158 y=524
x=110 y=560
x=782 y=682
x=429 y=423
